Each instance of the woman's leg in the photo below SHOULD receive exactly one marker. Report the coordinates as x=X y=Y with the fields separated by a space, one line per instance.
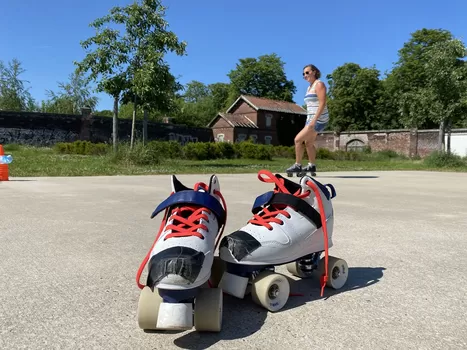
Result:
x=310 y=147
x=304 y=134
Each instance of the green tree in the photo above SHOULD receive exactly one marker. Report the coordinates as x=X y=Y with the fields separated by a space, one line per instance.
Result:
x=14 y=95
x=354 y=94
x=71 y=97
x=447 y=84
x=408 y=79
x=219 y=94
x=123 y=62
x=262 y=77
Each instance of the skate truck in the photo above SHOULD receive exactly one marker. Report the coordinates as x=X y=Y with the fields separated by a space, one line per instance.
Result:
x=177 y=294
x=292 y=225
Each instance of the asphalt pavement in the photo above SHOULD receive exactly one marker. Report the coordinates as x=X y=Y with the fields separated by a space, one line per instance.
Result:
x=70 y=249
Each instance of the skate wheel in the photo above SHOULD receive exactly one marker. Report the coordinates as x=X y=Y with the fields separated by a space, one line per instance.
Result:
x=217 y=270
x=148 y=308
x=208 y=310
x=338 y=272
x=270 y=290
x=294 y=269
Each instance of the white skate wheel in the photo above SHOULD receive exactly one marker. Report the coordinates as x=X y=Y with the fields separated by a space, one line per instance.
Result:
x=234 y=285
x=177 y=316
x=338 y=271
x=208 y=310
x=294 y=269
x=270 y=290
x=148 y=308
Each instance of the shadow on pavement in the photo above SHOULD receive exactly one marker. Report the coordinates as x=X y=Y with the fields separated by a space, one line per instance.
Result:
x=243 y=318
x=359 y=277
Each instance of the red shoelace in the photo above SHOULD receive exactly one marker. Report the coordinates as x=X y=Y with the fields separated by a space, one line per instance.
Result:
x=183 y=225
x=269 y=215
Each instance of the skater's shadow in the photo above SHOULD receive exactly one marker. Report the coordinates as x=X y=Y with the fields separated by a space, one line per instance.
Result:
x=309 y=289
x=243 y=318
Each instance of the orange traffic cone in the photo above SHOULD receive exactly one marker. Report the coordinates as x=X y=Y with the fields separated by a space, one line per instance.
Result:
x=3 y=167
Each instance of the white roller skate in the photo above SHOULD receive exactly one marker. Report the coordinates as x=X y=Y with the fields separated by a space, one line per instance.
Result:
x=291 y=225
x=176 y=296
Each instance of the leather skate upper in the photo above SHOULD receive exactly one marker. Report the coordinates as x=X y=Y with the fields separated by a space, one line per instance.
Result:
x=193 y=219
x=282 y=225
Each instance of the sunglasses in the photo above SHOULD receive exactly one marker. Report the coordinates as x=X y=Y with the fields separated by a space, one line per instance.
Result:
x=306 y=73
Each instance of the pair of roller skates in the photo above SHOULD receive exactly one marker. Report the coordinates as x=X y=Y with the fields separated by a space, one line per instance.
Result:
x=292 y=225
x=299 y=171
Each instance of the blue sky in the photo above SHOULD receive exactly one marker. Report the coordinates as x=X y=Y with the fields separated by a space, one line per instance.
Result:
x=45 y=35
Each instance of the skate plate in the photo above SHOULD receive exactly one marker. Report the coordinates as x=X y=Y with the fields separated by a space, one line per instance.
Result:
x=270 y=289
x=300 y=173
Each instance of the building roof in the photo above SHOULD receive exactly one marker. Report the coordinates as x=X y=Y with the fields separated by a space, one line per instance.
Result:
x=266 y=104
x=235 y=120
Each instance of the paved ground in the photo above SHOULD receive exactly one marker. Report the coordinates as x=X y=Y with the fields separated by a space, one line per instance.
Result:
x=70 y=249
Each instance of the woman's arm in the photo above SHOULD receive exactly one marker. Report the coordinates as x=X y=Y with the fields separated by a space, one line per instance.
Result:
x=321 y=92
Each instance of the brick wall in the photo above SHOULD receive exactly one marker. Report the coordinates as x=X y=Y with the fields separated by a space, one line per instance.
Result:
x=407 y=142
x=46 y=129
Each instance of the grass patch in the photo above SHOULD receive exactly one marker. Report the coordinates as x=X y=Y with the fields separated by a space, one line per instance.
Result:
x=171 y=158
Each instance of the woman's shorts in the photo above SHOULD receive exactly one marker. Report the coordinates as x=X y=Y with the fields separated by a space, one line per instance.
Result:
x=319 y=126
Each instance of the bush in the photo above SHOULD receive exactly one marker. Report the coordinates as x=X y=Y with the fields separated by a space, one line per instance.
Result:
x=438 y=159
x=226 y=149
x=200 y=151
x=81 y=147
x=324 y=153
x=387 y=154
x=284 y=151
x=166 y=149
x=250 y=150
x=139 y=155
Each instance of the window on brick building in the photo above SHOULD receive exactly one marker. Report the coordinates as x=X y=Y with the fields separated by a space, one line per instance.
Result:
x=241 y=137
x=267 y=140
x=220 y=137
x=268 y=120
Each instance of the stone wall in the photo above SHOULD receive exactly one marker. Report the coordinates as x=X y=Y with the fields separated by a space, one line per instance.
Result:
x=45 y=129
x=408 y=142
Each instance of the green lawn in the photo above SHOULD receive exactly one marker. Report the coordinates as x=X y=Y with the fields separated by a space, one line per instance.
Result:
x=32 y=161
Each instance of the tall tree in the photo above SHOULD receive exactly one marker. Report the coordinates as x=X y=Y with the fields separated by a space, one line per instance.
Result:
x=14 y=95
x=447 y=83
x=123 y=62
x=72 y=96
x=262 y=77
x=354 y=93
x=409 y=77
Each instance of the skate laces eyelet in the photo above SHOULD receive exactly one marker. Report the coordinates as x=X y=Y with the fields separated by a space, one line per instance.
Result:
x=269 y=214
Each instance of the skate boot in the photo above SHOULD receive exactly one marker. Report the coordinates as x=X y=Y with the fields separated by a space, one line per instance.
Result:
x=293 y=225
x=311 y=169
x=180 y=261
x=294 y=169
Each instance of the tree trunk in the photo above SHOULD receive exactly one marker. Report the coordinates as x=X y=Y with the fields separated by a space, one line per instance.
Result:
x=448 y=145
x=115 y=124
x=441 y=135
x=133 y=124
x=145 y=126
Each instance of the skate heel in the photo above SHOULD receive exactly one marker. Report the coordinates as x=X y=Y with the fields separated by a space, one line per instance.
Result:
x=175 y=316
x=234 y=285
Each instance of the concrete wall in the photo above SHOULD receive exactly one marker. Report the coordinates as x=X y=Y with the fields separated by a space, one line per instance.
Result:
x=45 y=129
x=409 y=142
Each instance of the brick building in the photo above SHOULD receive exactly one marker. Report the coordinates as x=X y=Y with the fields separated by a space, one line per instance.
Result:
x=266 y=121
